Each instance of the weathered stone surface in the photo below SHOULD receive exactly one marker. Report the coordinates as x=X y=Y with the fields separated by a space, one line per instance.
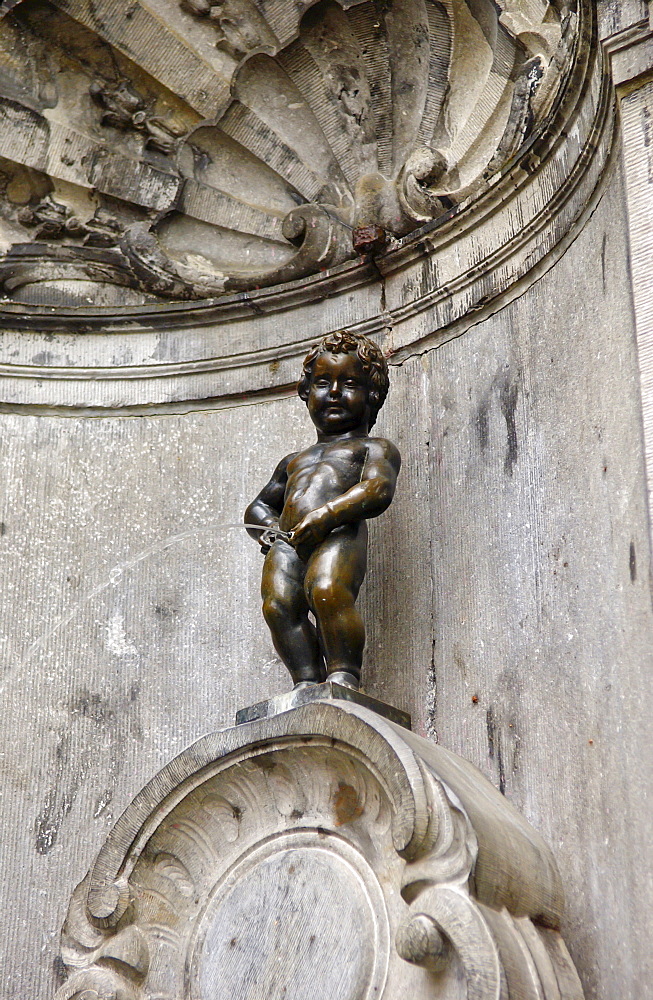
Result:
x=535 y=547
x=630 y=52
x=323 y=852
x=314 y=120
x=510 y=609
x=125 y=633
x=618 y=15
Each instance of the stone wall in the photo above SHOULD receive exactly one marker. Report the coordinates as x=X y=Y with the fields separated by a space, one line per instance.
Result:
x=508 y=600
x=530 y=451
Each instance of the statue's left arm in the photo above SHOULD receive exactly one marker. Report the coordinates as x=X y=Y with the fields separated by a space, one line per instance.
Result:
x=368 y=498
x=374 y=493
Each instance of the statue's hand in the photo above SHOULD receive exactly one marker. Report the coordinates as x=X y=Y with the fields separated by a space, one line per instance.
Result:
x=268 y=537
x=311 y=530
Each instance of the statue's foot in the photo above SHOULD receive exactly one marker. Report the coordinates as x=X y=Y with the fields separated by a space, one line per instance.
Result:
x=344 y=679
x=300 y=685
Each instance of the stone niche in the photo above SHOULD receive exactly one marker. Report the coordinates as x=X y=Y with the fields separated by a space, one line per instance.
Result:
x=182 y=183
x=186 y=149
x=325 y=853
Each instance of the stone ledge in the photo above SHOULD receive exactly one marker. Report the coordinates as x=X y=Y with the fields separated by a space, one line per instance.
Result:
x=320 y=692
x=630 y=53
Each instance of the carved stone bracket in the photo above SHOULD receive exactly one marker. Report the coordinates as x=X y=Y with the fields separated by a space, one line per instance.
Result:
x=324 y=853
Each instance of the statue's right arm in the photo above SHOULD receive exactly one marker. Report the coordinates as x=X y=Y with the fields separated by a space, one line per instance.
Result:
x=266 y=508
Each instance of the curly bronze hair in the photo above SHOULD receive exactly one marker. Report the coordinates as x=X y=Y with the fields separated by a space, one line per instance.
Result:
x=369 y=354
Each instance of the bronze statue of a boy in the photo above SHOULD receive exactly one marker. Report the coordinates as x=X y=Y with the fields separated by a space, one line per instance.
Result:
x=320 y=498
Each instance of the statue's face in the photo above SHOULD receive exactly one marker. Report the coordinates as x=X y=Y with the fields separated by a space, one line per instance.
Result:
x=338 y=397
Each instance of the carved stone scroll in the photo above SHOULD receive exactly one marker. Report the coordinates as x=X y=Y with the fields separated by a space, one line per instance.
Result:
x=322 y=854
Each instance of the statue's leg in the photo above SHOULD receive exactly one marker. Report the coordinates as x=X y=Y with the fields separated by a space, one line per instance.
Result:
x=334 y=575
x=285 y=610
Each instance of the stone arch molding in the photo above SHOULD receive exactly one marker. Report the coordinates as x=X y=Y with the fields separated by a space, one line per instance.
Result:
x=323 y=853
x=187 y=175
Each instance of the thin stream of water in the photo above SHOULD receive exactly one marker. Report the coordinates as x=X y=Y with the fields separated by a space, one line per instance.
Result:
x=277 y=532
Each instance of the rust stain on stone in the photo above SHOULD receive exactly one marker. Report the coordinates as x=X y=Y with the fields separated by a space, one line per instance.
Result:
x=346 y=804
x=369 y=240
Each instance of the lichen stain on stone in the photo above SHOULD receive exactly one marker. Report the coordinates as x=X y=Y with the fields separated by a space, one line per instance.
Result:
x=166 y=614
x=482 y=424
x=70 y=766
x=102 y=803
x=59 y=970
x=117 y=641
x=508 y=396
x=91 y=705
x=46 y=827
x=59 y=800
x=266 y=762
x=495 y=749
x=346 y=804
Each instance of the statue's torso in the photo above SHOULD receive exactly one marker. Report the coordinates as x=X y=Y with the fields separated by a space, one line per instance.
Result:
x=319 y=474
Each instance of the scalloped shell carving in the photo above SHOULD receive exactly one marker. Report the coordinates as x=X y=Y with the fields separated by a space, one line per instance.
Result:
x=181 y=150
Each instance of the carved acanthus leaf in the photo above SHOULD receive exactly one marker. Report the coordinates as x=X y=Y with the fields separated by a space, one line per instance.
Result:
x=238 y=25
x=124 y=109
